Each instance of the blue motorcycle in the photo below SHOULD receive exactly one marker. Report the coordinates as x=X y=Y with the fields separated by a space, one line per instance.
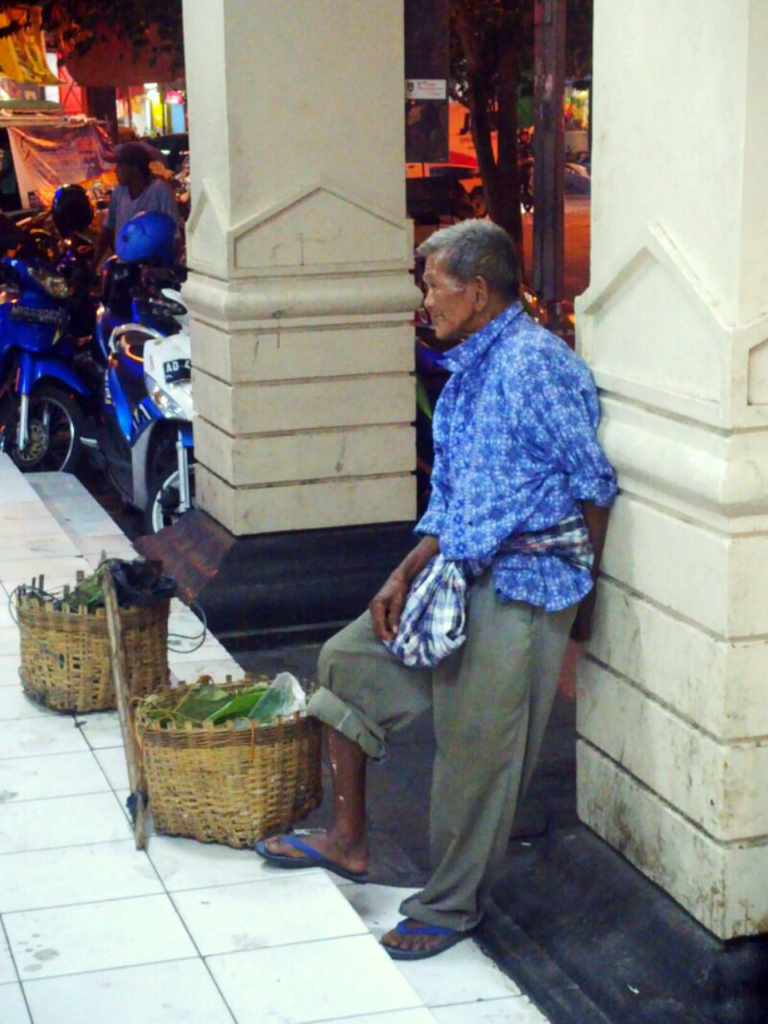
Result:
x=46 y=311
x=41 y=395
x=145 y=426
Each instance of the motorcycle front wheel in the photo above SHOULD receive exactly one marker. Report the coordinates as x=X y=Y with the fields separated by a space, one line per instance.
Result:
x=54 y=434
x=163 y=505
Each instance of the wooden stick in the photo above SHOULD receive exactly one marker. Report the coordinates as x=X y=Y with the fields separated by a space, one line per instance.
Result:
x=133 y=756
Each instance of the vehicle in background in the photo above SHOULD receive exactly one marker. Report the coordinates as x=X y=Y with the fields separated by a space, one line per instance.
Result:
x=46 y=319
x=174 y=149
x=433 y=200
x=145 y=434
x=144 y=429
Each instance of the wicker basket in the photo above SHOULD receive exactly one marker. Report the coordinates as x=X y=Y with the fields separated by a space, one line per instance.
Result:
x=65 y=655
x=228 y=783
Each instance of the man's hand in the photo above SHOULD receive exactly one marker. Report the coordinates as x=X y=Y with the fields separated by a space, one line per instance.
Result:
x=581 y=630
x=386 y=606
x=596 y=519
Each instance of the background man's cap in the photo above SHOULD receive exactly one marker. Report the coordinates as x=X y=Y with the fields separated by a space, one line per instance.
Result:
x=134 y=153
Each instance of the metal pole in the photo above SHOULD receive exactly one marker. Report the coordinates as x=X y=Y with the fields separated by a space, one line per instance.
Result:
x=549 y=157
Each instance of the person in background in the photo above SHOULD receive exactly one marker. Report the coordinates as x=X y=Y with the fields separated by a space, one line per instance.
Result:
x=136 y=192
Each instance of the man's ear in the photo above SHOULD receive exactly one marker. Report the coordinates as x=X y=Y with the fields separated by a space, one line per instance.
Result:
x=482 y=294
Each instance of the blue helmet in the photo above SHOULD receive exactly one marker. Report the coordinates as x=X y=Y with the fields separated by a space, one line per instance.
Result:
x=149 y=237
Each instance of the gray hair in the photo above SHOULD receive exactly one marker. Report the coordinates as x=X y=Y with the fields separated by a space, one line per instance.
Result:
x=477 y=248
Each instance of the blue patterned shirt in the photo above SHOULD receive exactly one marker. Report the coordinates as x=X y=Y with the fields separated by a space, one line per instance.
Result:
x=516 y=452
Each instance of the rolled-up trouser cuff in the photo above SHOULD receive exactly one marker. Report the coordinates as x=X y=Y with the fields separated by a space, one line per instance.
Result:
x=353 y=724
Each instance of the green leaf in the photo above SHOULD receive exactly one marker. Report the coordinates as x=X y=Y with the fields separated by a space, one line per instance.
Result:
x=239 y=706
x=202 y=702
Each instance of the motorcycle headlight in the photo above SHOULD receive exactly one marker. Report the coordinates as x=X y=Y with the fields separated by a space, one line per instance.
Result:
x=167 y=406
x=54 y=284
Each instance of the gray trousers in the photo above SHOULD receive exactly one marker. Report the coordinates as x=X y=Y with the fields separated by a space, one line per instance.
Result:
x=490 y=700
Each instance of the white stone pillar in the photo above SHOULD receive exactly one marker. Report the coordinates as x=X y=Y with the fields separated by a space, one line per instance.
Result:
x=299 y=253
x=673 y=696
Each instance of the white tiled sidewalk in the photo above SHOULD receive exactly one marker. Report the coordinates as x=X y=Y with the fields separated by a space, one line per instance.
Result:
x=92 y=931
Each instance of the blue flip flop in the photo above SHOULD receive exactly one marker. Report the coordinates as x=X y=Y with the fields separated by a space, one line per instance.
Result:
x=403 y=928
x=312 y=859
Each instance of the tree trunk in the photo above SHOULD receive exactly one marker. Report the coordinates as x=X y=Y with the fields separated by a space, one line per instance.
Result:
x=481 y=136
x=501 y=181
x=101 y=103
x=507 y=213
x=478 y=101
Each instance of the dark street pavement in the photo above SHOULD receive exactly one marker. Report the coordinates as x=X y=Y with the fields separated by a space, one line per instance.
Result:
x=398 y=787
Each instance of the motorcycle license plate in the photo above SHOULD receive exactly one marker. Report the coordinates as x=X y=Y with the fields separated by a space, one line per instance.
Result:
x=175 y=370
x=33 y=315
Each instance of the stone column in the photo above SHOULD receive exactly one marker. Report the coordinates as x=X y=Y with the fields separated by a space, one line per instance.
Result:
x=673 y=695
x=299 y=253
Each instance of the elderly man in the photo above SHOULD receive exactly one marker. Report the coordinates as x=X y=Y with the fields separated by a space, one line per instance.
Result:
x=519 y=505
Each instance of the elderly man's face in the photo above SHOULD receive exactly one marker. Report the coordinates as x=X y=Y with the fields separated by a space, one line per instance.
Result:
x=452 y=306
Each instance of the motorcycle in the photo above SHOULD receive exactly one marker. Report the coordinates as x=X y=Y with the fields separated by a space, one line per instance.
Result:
x=132 y=292
x=145 y=431
x=145 y=437
x=45 y=306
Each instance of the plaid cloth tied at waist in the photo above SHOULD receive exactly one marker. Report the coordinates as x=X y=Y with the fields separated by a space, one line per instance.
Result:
x=433 y=620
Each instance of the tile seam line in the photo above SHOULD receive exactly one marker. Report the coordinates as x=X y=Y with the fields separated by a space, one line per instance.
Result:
x=69 y=846
x=663 y=412
x=63 y=753
x=278 y=485
x=103 y=970
x=88 y=903
x=303 y=942
x=365 y=933
x=671 y=513
x=481 y=1001
x=274 y=382
x=4 y=935
x=424 y=1006
x=74 y=846
x=219 y=885
x=65 y=796
x=197 y=956
x=725 y=844
x=279 y=876
x=672 y=613
x=736 y=743
x=307 y=431
x=377 y=1013
x=192 y=939
x=23 y=757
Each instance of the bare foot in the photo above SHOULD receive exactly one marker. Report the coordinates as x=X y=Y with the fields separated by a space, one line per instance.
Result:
x=349 y=854
x=413 y=943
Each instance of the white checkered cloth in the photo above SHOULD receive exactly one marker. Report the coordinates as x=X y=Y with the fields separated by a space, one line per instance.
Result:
x=433 y=620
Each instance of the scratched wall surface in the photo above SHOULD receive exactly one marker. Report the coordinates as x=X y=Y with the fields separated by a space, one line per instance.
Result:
x=673 y=715
x=300 y=257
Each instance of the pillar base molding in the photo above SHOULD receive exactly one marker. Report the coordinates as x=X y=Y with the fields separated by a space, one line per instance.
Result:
x=722 y=885
x=289 y=301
